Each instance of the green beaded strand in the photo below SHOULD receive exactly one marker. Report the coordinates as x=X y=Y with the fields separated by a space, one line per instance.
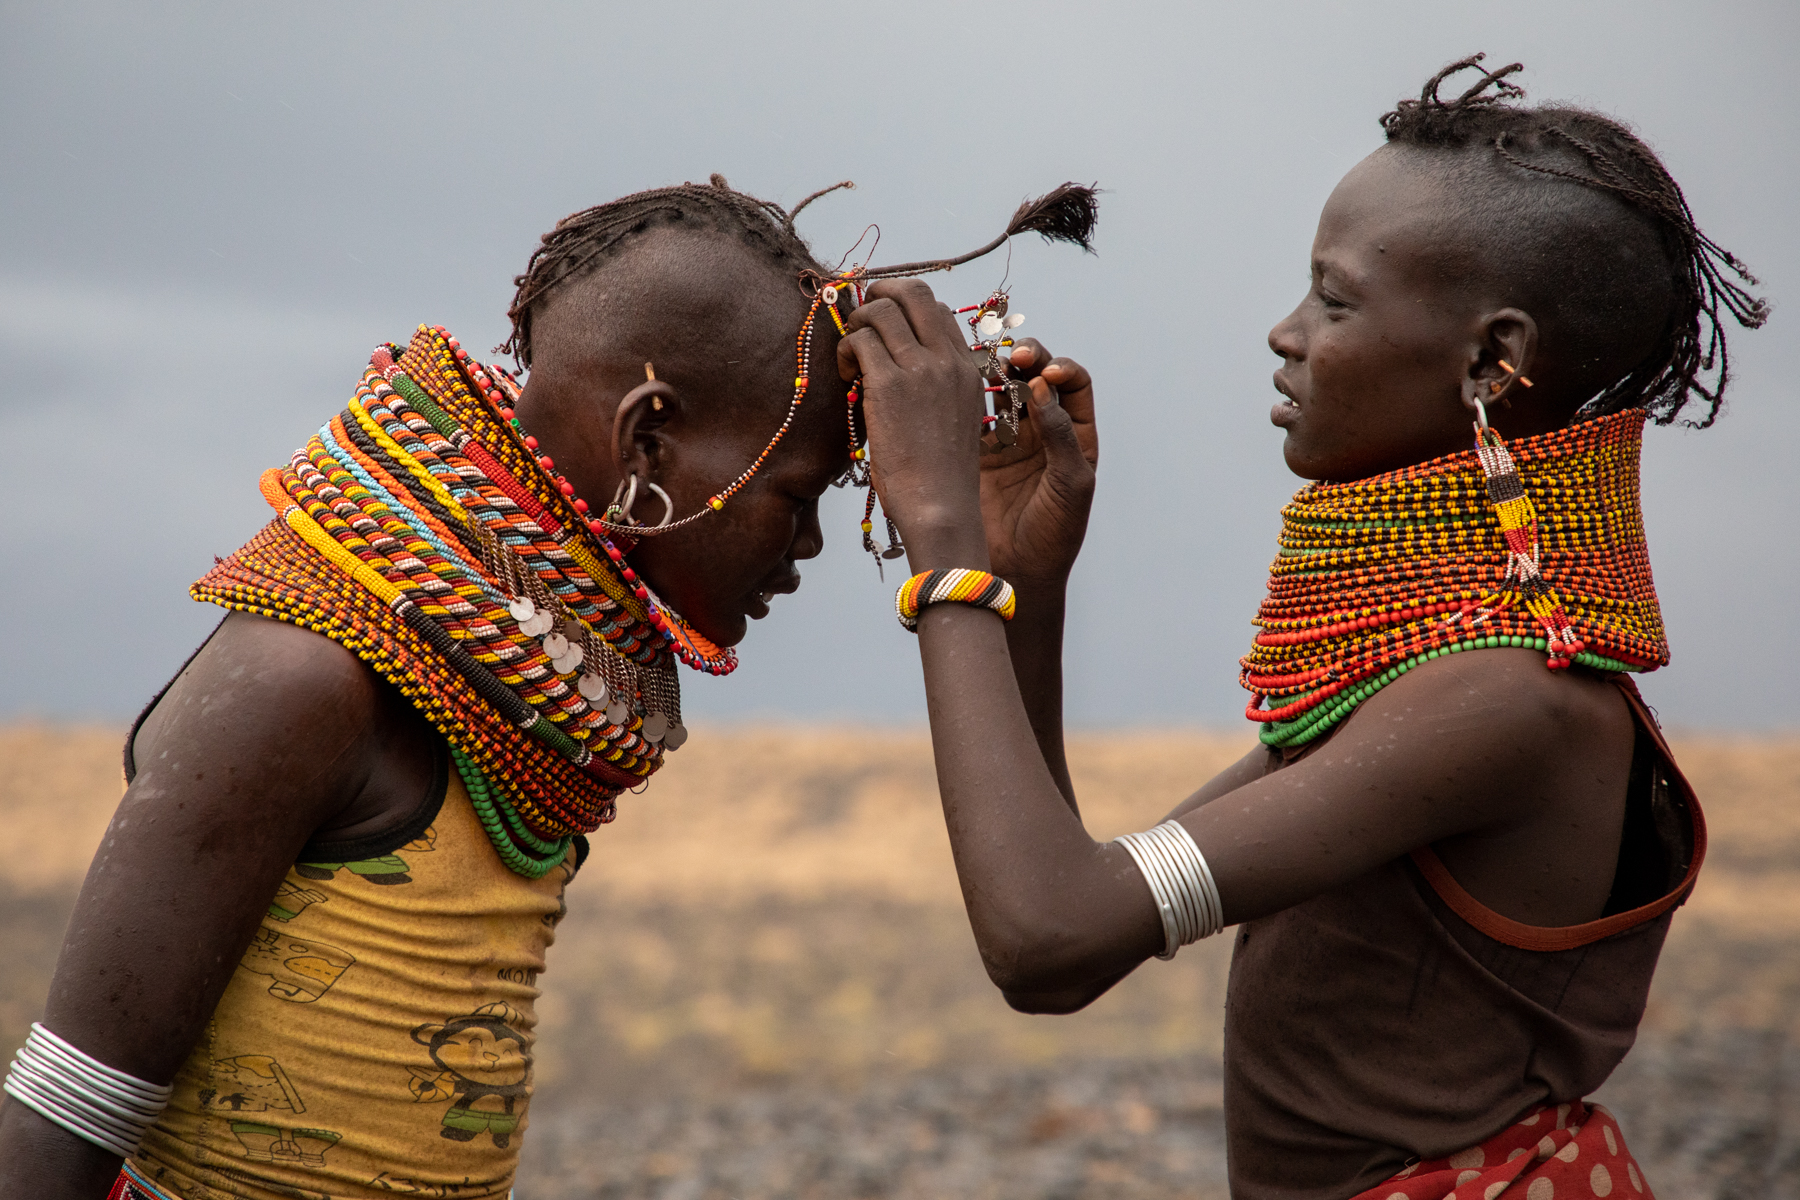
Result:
x=1284 y=735
x=503 y=826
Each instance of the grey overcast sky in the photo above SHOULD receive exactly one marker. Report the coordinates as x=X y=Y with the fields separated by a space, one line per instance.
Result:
x=212 y=212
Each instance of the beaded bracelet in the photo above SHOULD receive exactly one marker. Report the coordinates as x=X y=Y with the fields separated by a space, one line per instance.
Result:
x=957 y=584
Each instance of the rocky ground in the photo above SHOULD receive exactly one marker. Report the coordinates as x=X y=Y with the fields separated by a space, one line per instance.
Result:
x=765 y=988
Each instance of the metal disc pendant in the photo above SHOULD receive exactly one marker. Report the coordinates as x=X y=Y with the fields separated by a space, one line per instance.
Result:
x=566 y=664
x=556 y=645
x=617 y=712
x=893 y=552
x=676 y=737
x=984 y=361
x=522 y=609
x=1005 y=435
x=656 y=726
x=593 y=689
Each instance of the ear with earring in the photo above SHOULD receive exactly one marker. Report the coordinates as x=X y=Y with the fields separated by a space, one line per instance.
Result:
x=619 y=513
x=1497 y=386
x=1482 y=392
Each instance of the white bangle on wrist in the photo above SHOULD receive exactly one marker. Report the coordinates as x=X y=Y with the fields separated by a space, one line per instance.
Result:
x=83 y=1095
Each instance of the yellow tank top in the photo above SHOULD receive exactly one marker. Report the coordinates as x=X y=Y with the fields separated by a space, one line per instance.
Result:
x=377 y=1035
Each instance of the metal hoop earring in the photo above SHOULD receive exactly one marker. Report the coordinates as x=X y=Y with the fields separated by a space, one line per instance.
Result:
x=620 y=514
x=668 y=504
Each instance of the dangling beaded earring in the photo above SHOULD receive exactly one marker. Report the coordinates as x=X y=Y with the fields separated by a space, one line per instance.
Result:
x=1524 y=581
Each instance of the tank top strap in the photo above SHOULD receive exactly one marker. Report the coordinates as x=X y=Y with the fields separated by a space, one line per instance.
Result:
x=1568 y=937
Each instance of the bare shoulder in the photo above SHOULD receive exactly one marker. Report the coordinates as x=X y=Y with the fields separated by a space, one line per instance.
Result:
x=266 y=692
x=1502 y=697
x=1512 y=771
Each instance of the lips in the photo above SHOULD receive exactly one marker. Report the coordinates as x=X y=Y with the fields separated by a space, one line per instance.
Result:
x=1286 y=410
x=758 y=607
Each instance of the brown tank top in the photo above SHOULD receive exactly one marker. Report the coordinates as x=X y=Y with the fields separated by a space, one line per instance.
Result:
x=1397 y=1018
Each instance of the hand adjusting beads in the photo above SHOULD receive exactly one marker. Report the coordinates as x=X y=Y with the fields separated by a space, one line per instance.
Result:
x=1538 y=544
x=421 y=530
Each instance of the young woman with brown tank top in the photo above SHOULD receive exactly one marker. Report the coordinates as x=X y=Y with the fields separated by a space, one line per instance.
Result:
x=1454 y=857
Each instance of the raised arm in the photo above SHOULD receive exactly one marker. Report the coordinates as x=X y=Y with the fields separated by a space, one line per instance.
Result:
x=1055 y=912
x=1034 y=515
x=270 y=736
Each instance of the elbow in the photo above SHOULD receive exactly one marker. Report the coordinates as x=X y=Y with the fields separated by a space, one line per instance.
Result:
x=1036 y=962
x=1053 y=1004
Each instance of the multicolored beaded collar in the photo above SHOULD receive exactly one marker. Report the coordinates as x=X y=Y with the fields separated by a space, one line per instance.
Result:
x=419 y=530
x=1539 y=543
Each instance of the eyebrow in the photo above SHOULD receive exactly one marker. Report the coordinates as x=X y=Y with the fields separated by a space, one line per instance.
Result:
x=1339 y=274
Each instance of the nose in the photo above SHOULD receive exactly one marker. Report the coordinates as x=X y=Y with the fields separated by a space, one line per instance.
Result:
x=809 y=538
x=1286 y=339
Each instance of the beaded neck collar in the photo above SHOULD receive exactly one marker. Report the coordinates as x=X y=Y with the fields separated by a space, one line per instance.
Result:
x=1540 y=545
x=480 y=398
x=418 y=530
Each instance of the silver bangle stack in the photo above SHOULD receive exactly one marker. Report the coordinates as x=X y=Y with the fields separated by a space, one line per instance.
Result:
x=1181 y=882
x=91 y=1100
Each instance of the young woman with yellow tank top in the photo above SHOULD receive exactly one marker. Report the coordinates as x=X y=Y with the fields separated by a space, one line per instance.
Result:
x=305 y=959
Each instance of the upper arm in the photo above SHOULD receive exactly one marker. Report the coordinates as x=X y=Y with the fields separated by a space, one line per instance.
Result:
x=263 y=739
x=1256 y=763
x=1464 y=745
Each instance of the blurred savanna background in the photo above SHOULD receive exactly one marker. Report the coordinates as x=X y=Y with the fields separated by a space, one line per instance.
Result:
x=765 y=987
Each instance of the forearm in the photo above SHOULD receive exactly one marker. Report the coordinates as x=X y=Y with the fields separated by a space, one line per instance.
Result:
x=42 y=1161
x=1050 y=908
x=1034 y=640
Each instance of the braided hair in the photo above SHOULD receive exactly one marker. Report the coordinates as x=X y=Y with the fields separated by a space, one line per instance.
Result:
x=584 y=239
x=581 y=240
x=1584 y=256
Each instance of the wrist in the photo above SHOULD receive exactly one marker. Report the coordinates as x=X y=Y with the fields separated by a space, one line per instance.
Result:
x=941 y=546
x=1045 y=591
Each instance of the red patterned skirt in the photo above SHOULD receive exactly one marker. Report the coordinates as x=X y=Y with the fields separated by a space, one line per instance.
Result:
x=1570 y=1152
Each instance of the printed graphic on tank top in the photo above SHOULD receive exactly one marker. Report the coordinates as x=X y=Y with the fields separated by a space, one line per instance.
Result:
x=377 y=1034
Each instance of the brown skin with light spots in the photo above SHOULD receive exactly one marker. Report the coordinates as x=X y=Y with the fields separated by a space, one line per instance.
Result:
x=1516 y=774
x=274 y=736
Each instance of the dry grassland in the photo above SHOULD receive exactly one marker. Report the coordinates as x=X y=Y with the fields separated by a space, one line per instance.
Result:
x=766 y=986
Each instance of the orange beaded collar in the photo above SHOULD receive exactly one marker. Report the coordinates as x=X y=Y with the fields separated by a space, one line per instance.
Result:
x=1377 y=576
